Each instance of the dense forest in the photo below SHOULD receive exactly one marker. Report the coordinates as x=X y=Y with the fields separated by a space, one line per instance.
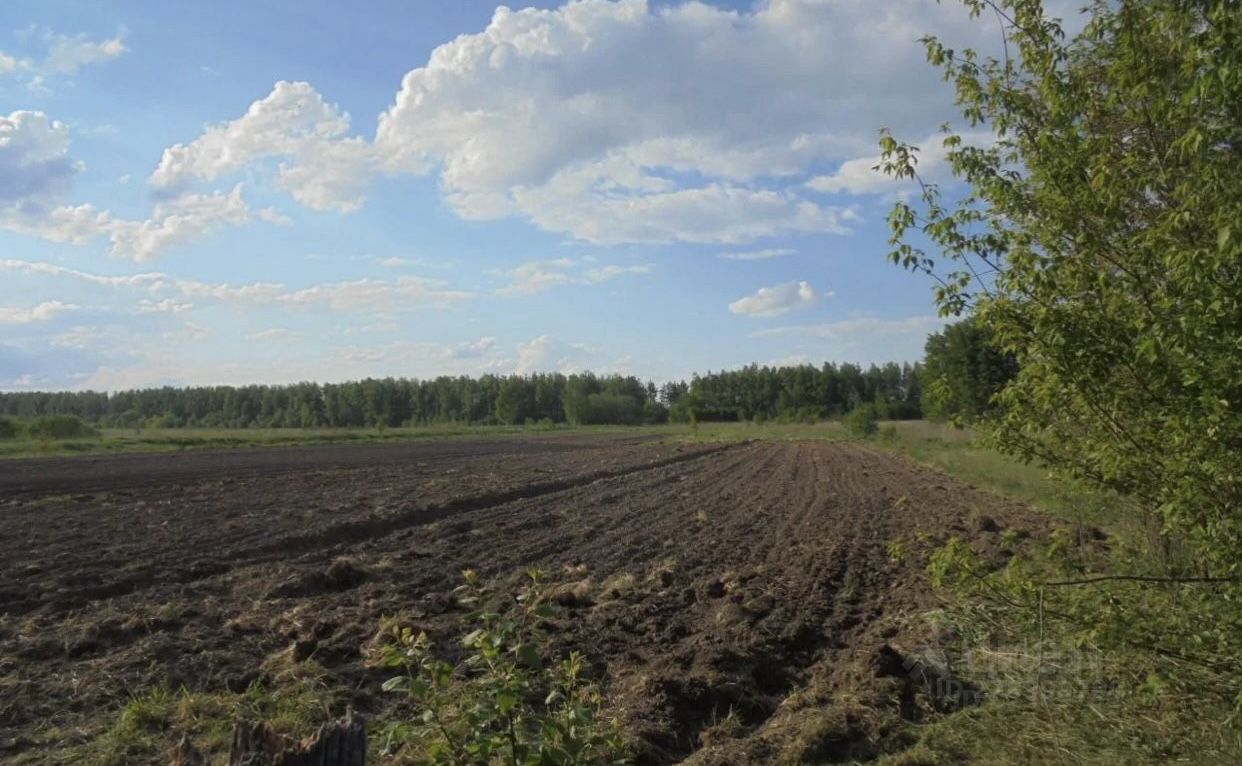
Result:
x=759 y=393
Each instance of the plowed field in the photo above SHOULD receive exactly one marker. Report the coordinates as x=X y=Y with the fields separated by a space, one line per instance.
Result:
x=756 y=578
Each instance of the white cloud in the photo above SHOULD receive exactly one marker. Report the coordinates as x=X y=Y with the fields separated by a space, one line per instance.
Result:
x=374 y=295
x=605 y=273
x=574 y=117
x=864 y=340
x=594 y=208
x=272 y=333
x=858 y=175
x=361 y=295
x=63 y=55
x=536 y=276
x=758 y=255
x=188 y=333
x=791 y=360
x=79 y=337
x=279 y=363
x=255 y=292
x=40 y=313
x=165 y=306
x=36 y=173
x=69 y=54
x=470 y=349
x=273 y=216
x=176 y=222
x=321 y=168
x=548 y=354
x=534 y=356
x=617 y=122
x=35 y=167
x=869 y=327
x=774 y=301
x=149 y=279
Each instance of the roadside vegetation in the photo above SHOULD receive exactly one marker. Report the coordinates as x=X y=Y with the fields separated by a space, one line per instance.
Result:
x=1095 y=256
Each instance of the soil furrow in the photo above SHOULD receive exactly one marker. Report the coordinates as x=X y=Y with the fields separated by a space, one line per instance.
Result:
x=695 y=581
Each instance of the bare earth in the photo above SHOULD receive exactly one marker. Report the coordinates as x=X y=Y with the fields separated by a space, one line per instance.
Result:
x=762 y=576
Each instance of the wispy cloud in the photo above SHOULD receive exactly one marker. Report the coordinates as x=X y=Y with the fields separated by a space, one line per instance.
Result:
x=758 y=255
x=38 y=313
x=60 y=55
x=536 y=276
x=869 y=327
x=174 y=295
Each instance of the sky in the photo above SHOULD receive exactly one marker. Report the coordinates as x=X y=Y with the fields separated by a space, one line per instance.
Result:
x=240 y=192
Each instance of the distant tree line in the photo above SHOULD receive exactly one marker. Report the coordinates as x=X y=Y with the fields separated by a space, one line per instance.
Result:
x=752 y=393
x=804 y=392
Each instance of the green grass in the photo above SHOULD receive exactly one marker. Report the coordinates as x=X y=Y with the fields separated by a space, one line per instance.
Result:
x=957 y=452
x=119 y=440
x=1124 y=721
x=114 y=440
x=292 y=698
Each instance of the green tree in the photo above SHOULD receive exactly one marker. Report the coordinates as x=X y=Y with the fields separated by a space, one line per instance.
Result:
x=1099 y=240
x=10 y=428
x=511 y=404
x=963 y=369
x=577 y=404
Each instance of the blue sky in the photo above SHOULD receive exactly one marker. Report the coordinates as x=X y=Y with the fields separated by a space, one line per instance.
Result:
x=270 y=192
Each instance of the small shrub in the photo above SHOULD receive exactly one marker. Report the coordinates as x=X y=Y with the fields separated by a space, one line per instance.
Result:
x=505 y=702
x=10 y=428
x=60 y=427
x=863 y=421
x=167 y=420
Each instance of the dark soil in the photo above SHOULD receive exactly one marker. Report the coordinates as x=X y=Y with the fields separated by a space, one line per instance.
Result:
x=697 y=580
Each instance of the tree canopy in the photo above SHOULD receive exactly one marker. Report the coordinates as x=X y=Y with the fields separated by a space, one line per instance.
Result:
x=1099 y=241
x=963 y=370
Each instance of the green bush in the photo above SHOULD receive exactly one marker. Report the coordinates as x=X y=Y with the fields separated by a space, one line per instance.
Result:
x=863 y=421
x=167 y=420
x=10 y=428
x=682 y=411
x=505 y=702
x=60 y=427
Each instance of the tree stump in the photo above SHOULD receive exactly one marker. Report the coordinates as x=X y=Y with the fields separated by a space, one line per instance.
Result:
x=340 y=743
